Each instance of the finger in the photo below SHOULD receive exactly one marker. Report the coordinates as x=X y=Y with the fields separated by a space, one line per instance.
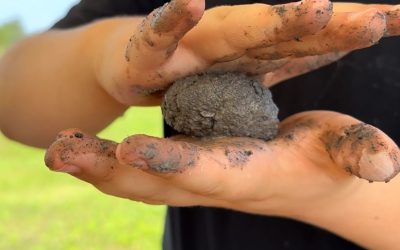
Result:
x=324 y=144
x=392 y=13
x=298 y=66
x=218 y=168
x=211 y=169
x=356 y=147
x=362 y=149
x=144 y=151
x=90 y=159
x=156 y=38
x=93 y=160
x=74 y=149
x=226 y=32
x=345 y=32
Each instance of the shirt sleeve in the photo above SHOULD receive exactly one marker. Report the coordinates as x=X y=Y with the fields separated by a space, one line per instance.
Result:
x=87 y=11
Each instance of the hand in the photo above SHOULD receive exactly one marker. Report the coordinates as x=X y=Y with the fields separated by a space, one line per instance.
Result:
x=309 y=168
x=319 y=152
x=275 y=42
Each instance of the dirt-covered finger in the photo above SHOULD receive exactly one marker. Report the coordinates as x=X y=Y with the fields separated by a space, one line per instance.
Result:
x=211 y=167
x=226 y=32
x=345 y=32
x=392 y=13
x=298 y=66
x=160 y=155
x=170 y=160
x=157 y=37
x=268 y=25
x=82 y=155
x=361 y=149
x=352 y=146
x=364 y=151
x=93 y=160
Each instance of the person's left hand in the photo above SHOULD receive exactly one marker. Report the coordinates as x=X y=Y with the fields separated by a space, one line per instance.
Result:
x=314 y=159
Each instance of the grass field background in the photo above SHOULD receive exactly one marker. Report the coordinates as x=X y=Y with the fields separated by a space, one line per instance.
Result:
x=40 y=209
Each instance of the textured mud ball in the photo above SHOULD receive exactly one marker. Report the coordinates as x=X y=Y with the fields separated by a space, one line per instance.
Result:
x=228 y=104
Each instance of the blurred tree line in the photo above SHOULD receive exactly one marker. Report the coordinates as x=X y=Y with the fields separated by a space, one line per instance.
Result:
x=9 y=33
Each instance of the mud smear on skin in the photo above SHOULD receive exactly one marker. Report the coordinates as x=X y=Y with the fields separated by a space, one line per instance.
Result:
x=299 y=10
x=364 y=36
x=356 y=135
x=290 y=133
x=162 y=20
x=237 y=151
x=180 y=156
x=76 y=144
x=156 y=91
x=237 y=157
x=393 y=27
x=280 y=10
x=160 y=24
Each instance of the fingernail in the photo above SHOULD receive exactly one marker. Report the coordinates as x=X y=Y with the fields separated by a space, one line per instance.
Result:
x=69 y=169
x=376 y=167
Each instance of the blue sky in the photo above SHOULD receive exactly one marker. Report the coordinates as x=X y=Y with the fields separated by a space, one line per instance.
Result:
x=35 y=15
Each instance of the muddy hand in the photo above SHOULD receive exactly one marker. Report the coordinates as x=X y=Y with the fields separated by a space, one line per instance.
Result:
x=180 y=39
x=300 y=65
x=323 y=153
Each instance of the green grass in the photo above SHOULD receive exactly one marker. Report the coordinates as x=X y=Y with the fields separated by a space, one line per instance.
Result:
x=40 y=209
x=9 y=33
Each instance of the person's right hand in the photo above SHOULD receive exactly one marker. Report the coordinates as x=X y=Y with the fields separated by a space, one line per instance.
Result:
x=275 y=42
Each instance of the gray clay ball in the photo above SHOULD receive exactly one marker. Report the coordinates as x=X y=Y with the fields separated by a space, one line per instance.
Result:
x=228 y=104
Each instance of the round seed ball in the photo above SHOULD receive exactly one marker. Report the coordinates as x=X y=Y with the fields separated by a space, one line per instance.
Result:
x=216 y=104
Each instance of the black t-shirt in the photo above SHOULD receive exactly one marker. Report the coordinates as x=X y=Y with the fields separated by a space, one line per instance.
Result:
x=364 y=84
